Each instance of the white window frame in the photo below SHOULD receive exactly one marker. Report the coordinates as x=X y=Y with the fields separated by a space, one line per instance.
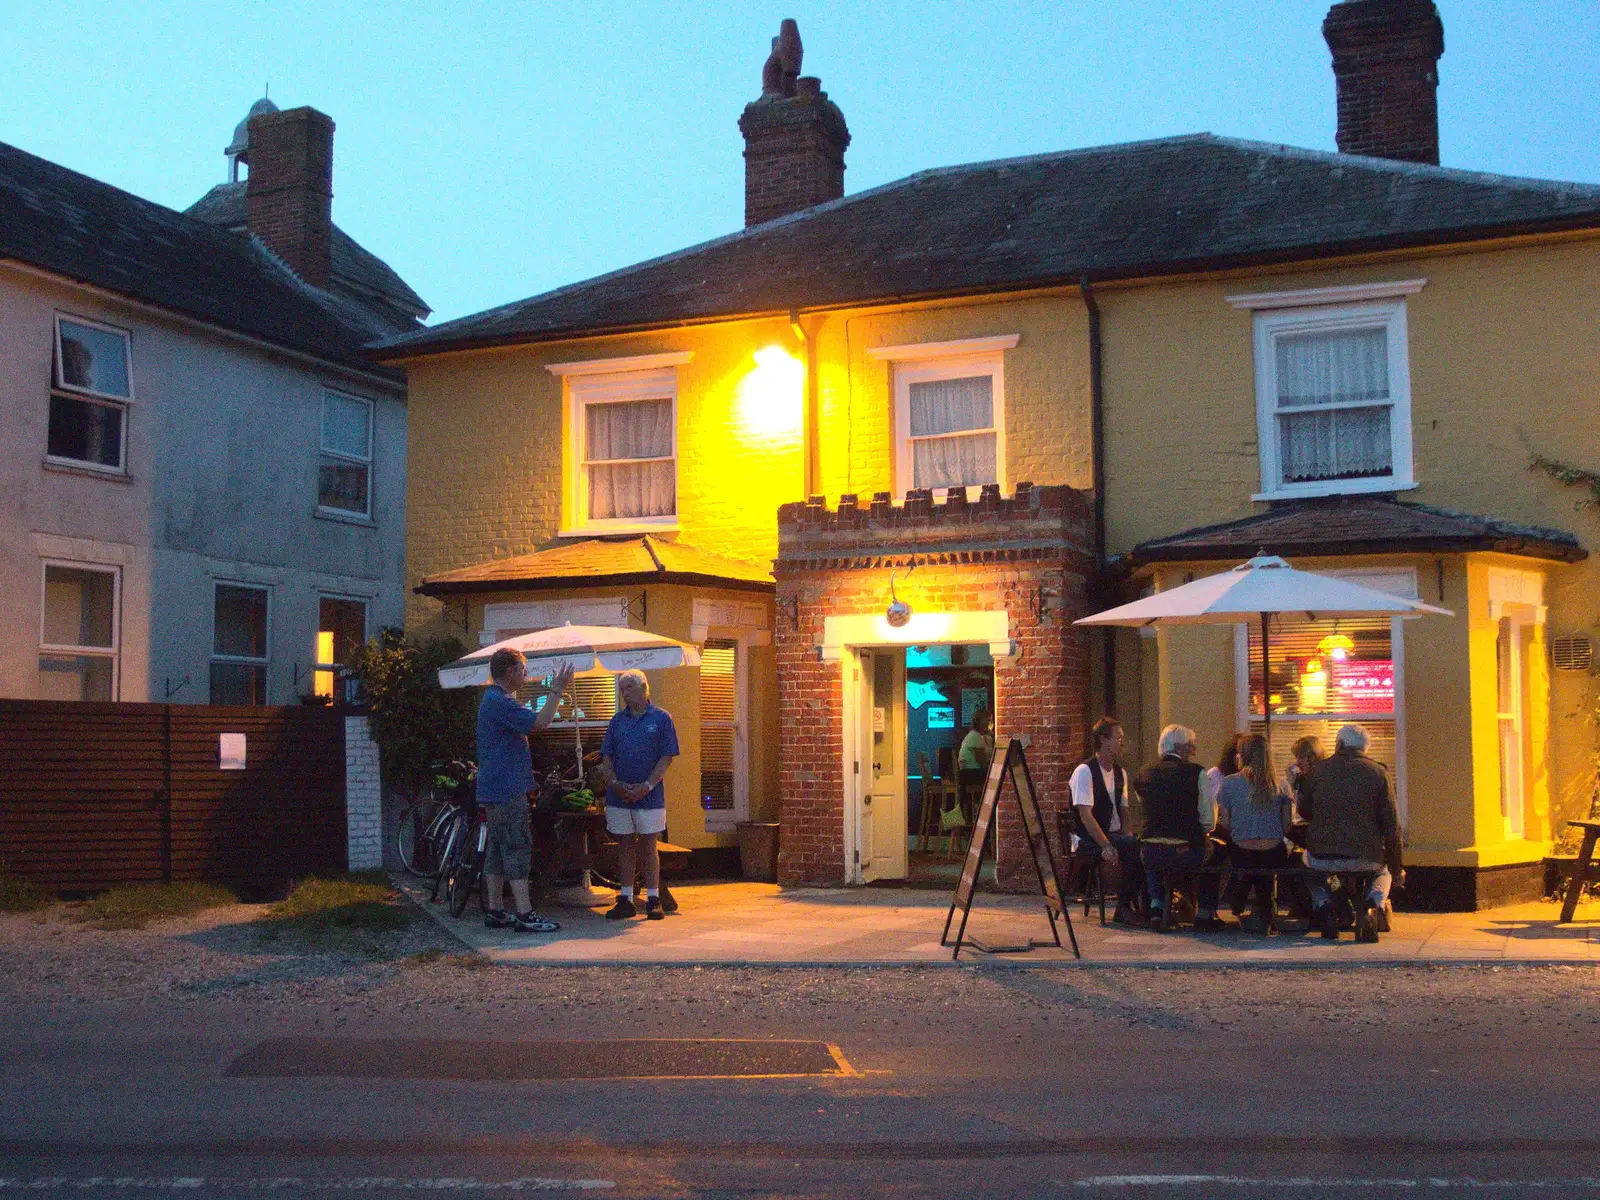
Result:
x=57 y=650
x=724 y=821
x=264 y=663
x=1516 y=598
x=584 y=389
x=1387 y=314
x=322 y=449
x=121 y=404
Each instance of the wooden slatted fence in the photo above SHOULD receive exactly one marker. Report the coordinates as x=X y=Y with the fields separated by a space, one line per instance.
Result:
x=93 y=795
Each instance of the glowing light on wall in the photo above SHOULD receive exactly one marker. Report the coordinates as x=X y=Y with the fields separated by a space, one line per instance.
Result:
x=771 y=395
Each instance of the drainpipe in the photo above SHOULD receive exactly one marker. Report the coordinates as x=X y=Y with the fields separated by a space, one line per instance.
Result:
x=810 y=434
x=1097 y=442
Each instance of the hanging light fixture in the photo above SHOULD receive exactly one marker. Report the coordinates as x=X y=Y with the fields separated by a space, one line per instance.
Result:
x=899 y=612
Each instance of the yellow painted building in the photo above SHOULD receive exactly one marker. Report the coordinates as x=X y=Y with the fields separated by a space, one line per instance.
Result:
x=1225 y=345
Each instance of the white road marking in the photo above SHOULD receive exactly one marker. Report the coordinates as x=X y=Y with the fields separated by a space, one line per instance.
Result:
x=292 y=1184
x=1293 y=1181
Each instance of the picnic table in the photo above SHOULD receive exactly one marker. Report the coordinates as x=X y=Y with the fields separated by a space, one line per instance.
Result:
x=1583 y=868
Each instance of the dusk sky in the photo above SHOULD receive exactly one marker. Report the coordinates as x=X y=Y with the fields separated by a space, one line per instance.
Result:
x=490 y=151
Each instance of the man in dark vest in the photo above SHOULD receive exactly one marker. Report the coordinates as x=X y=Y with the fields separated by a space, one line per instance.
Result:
x=1100 y=789
x=1180 y=810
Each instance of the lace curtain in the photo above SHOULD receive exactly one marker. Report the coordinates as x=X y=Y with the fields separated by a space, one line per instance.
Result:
x=623 y=431
x=943 y=407
x=1333 y=405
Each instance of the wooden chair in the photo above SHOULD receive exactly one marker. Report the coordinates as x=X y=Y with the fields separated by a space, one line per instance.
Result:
x=937 y=794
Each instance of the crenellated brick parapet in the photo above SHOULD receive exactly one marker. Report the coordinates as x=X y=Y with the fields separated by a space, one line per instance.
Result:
x=1027 y=554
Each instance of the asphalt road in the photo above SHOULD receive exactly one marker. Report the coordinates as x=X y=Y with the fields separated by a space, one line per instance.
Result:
x=946 y=1083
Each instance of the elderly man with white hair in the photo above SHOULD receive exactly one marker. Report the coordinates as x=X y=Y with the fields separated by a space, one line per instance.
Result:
x=1355 y=829
x=1180 y=810
x=639 y=746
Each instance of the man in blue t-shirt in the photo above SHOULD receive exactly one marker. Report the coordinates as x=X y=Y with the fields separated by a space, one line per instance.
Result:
x=639 y=746
x=505 y=777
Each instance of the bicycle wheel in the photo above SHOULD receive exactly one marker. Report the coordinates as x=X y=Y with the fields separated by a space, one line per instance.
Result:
x=467 y=878
x=411 y=834
x=450 y=840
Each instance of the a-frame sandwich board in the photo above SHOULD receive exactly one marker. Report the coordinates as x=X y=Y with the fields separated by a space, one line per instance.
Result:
x=1012 y=765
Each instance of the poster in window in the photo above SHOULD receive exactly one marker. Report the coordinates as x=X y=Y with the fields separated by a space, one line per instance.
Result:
x=941 y=716
x=972 y=699
x=1362 y=687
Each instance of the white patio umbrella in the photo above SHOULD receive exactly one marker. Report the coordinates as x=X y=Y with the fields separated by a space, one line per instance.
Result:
x=582 y=647
x=1255 y=590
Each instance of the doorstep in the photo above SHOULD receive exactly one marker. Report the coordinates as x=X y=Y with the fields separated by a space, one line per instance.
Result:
x=758 y=924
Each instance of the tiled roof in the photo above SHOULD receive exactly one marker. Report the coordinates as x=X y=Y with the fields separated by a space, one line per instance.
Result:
x=1357 y=525
x=1145 y=208
x=601 y=561
x=70 y=225
x=365 y=277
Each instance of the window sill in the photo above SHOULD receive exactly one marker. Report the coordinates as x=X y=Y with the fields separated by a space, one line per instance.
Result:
x=619 y=527
x=61 y=466
x=1336 y=487
x=343 y=518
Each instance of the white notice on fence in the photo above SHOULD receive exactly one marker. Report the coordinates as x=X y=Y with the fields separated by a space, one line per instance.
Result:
x=232 y=751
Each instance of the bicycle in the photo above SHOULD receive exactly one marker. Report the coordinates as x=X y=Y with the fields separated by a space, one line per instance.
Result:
x=425 y=825
x=465 y=872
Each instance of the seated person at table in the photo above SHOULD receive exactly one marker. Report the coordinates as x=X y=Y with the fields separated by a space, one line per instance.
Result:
x=1180 y=810
x=1099 y=788
x=1353 y=827
x=1228 y=763
x=977 y=749
x=1256 y=813
x=1307 y=754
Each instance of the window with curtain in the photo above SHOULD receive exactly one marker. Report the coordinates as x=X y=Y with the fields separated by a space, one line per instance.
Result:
x=629 y=460
x=949 y=422
x=1334 y=400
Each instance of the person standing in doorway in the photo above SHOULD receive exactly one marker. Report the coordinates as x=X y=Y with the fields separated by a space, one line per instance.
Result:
x=505 y=777
x=639 y=746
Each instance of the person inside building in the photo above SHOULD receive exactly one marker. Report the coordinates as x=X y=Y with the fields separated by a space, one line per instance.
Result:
x=1100 y=791
x=1354 y=828
x=505 y=777
x=1180 y=811
x=977 y=748
x=1256 y=814
x=640 y=744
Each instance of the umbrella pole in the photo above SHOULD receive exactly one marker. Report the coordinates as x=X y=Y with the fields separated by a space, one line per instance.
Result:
x=1266 y=679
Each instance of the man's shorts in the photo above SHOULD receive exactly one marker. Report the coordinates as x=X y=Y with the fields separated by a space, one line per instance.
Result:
x=622 y=821
x=510 y=851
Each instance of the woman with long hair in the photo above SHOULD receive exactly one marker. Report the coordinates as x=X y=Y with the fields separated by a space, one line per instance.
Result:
x=1256 y=813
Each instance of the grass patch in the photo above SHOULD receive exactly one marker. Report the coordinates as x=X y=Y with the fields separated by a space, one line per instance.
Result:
x=135 y=906
x=434 y=956
x=348 y=912
x=22 y=895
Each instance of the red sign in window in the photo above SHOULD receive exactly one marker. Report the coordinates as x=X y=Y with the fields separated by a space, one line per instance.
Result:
x=1362 y=687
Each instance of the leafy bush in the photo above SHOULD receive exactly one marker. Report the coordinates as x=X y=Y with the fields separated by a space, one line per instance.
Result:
x=415 y=722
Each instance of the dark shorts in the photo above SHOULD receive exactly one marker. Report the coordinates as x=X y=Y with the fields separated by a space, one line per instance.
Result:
x=510 y=851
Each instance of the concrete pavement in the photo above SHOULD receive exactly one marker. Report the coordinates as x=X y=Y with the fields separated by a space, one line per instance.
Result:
x=738 y=923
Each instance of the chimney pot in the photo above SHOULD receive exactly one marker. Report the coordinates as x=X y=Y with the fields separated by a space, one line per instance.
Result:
x=794 y=138
x=1386 y=61
x=289 y=194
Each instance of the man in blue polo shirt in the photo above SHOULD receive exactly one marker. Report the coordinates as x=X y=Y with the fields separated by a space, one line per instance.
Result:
x=505 y=777
x=639 y=746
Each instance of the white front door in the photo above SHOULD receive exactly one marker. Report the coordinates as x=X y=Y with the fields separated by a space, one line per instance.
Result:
x=879 y=768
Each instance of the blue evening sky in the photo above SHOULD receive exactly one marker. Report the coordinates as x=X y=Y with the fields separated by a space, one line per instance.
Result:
x=490 y=151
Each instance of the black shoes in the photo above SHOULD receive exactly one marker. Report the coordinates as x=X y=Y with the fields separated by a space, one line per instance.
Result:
x=497 y=918
x=1209 y=924
x=622 y=910
x=669 y=902
x=1327 y=921
x=1125 y=915
x=532 y=922
x=653 y=909
x=1380 y=918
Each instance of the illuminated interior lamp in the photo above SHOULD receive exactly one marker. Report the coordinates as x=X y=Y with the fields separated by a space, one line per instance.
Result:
x=1337 y=646
x=1313 y=686
x=322 y=681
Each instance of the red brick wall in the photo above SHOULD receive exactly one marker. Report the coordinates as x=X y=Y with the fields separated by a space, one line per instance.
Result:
x=840 y=564
x=1385 y=58
x=289 y=192
x=793 y=155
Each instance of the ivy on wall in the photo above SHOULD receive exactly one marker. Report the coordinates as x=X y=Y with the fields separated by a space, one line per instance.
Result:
x=1569 y=475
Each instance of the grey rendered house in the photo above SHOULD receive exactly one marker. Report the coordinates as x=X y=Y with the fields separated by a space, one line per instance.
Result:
x=202 y=476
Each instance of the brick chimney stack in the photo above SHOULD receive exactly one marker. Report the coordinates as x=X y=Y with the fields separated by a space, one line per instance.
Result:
x=1385 y=58
x=289 y=193
x=794 y=138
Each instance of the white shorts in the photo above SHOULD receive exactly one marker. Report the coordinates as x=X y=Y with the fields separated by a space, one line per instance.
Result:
x=622 y=821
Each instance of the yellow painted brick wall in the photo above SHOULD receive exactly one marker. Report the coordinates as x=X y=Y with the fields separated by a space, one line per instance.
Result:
x=1505 y=360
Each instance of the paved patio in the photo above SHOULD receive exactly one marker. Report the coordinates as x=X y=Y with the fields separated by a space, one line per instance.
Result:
x=758 y=924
